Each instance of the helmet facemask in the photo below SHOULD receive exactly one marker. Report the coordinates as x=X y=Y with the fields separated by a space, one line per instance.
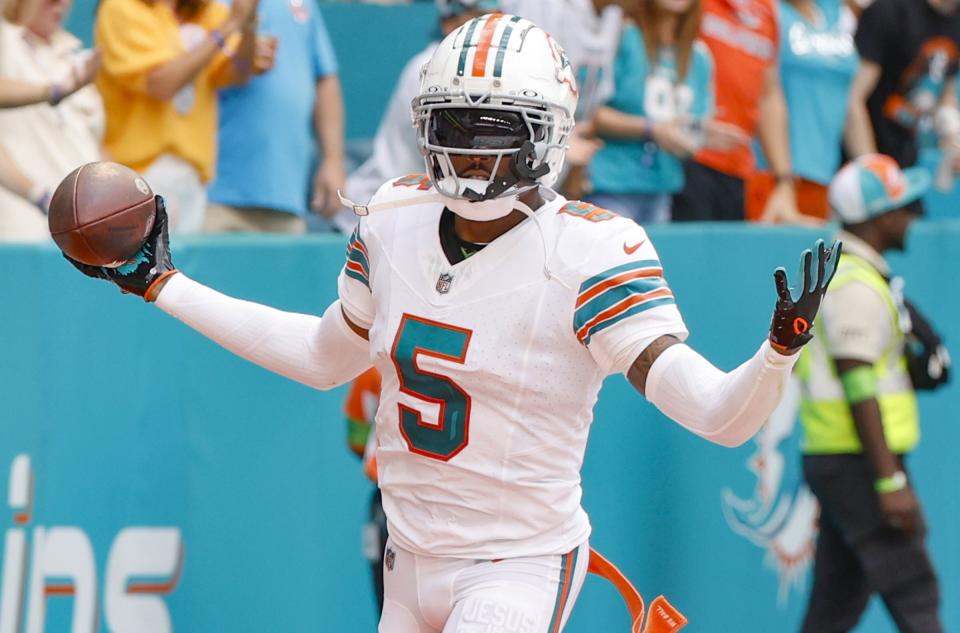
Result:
x=520 y=133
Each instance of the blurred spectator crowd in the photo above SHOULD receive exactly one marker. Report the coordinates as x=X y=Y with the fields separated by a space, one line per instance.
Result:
x=690 y=110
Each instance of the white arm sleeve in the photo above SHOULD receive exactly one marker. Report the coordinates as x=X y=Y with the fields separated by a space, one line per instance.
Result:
x=725 y=408
x=322 y=352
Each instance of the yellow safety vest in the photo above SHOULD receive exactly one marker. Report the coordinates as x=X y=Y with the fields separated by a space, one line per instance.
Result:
x=824 y=411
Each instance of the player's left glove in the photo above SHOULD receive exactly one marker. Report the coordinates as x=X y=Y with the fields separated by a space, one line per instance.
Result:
x=143 y=273
x=794 y=313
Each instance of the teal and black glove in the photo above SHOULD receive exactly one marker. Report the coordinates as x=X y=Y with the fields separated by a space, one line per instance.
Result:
x=151 y=265
x=794 y=313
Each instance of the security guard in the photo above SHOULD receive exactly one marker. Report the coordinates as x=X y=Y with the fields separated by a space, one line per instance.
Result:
x=860 y=419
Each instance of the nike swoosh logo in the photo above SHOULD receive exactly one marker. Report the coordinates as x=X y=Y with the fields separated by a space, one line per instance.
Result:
x=630 y=250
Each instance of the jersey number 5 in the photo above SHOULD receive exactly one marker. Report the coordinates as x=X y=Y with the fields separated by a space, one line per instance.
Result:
x=421 y=337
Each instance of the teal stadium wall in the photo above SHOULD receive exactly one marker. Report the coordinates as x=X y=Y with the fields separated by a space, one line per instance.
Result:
x=132 y=419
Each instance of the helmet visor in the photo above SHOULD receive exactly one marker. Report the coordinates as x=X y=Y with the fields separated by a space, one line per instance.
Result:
x=479 y=128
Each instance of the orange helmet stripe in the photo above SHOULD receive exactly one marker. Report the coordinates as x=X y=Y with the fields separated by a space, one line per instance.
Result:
x=483 y=47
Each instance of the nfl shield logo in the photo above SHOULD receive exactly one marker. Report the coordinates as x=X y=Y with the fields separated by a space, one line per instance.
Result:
x=444 y=282
x=389 y=558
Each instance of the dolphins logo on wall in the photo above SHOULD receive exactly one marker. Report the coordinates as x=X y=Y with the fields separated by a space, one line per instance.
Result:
x=781 y=516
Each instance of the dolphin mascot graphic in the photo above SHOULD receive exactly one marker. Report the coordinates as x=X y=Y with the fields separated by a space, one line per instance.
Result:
x=781 y=516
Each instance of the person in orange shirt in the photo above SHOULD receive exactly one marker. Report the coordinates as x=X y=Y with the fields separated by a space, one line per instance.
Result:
x=743 y=38
x=360 y=409
x=163 y=61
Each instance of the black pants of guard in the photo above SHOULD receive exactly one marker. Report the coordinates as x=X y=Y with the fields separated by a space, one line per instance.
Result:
x=858 y=554
x=708 y=195
x=375 y=539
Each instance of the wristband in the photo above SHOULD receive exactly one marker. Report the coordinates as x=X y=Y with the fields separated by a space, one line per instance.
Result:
x=859 y=384
x=242 y=66
x=218 y=38
x=153 y=290
x=56 y=94
x=896 y=481
x=784 y=177
x=647 y=134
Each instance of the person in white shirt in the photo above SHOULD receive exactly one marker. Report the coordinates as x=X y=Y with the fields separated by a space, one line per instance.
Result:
x=44 y=141
x=493 y=309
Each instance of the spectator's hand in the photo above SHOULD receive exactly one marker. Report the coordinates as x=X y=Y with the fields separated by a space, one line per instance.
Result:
x=265 y=54
x=87 y=65
x=900 y=510
x=83 y=70
x=794 y=313
x=782 y=208
x=329 y=179
x=144 y=273
x=583 y=144
x=672 y=138
x=791 y=217
x=723 y=137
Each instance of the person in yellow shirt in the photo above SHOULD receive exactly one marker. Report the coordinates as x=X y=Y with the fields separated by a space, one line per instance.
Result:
x=163 y=61
x=860 y=417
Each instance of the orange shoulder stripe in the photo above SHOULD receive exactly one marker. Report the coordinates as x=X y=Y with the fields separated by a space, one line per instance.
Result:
x=622 y=278
x=357 y=268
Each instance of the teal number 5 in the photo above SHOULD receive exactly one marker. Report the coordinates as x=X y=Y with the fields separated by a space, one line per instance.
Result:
x=417 y=337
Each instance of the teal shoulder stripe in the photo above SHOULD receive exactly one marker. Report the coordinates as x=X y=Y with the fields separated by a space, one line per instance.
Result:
x=637 y=309
x=502 y=47
x=359 y=277
x=609 y=298
x=611 y=272
x=353 y=236
x=356 y=255
x=466 y=45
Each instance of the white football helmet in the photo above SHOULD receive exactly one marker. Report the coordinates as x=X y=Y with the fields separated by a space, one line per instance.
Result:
x=497 y=86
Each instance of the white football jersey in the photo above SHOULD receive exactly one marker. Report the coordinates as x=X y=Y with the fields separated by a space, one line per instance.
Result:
x=491 y=370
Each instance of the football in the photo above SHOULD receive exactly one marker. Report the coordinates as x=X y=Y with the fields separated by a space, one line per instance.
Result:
x=101 y=213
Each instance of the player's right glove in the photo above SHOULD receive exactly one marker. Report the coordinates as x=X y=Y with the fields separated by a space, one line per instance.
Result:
x=144 y=273
x=794 y=313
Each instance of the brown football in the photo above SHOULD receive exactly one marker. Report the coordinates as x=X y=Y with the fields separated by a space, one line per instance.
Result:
x=101 y=214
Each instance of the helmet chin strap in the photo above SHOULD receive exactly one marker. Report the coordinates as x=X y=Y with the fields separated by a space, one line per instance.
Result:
x=519 y=173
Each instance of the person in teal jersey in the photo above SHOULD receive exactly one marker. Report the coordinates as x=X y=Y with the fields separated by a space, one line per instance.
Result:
x=817 y=62
x=659 y=113
x=281 y=135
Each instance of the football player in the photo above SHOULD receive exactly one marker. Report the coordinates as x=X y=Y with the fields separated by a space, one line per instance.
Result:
x=493 y=308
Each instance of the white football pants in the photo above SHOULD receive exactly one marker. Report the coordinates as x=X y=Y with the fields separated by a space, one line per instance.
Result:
x=424 y=594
